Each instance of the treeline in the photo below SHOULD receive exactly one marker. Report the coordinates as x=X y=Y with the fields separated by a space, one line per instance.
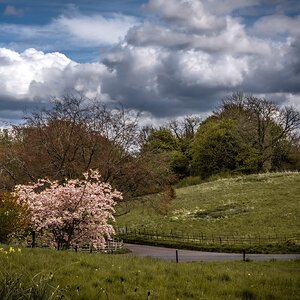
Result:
x=245 y=134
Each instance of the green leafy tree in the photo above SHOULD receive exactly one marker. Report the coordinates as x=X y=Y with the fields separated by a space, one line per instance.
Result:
x=267 y=129
x=180 y=163
x=216 y=148
x=161 y=140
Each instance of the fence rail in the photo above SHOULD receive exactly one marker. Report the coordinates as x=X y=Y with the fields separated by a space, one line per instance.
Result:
x=111 y=245
x=205 y=239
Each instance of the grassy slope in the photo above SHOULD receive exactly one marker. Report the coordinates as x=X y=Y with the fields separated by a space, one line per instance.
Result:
x=96 y=276
x=271 y=203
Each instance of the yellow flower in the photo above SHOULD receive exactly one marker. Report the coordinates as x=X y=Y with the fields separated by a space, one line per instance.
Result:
x=10 y=250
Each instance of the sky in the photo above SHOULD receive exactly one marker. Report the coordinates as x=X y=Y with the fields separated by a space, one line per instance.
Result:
x=163 y=58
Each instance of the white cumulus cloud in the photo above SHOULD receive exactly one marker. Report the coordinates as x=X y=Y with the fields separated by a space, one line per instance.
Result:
x=188 y=14
x=34 y=74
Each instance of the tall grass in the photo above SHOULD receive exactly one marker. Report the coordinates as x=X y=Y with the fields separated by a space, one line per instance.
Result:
x=100 y=276
x=14 y=286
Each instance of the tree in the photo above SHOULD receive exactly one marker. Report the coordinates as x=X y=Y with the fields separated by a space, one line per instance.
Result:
x=174 y=140
x=76 y=132
x=161 y=140
x=216 y=148
x=165 y=147
x=263 y=126
x=6 y=164
x=74 y=135
x=75 y=212
x=185 y=129
x=293 y=160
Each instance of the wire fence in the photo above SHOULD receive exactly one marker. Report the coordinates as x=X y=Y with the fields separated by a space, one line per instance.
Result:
x=204 y=239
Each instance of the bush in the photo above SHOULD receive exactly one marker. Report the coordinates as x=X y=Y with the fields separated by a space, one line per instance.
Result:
x=166 y=198
x=14 y=217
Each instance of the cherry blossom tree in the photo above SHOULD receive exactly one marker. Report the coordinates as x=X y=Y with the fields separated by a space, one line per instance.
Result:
x=73 y=213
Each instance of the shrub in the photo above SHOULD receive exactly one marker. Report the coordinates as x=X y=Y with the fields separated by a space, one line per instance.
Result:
x=14 y=217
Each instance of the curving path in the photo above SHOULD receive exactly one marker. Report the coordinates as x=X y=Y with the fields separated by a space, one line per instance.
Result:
x=189 y=255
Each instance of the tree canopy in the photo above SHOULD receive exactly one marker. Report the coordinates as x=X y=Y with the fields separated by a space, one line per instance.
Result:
x=245 y=134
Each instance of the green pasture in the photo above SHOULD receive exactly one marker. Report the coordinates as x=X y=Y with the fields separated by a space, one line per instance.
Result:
x=50 y=274
x=255 y=205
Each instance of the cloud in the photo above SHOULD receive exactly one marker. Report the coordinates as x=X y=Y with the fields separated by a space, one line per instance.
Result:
x=189 y=58
x=231 y=39
x=19 y=70
x=166 y=82
x=226 y=7
x=96 y=29
x=186 y=14
x=182 y=60
x=201 y=69
x=69 y=31
x=33 y=75
x=11 y=10
x=277 y=25
x=12 y=109
x=293 y=100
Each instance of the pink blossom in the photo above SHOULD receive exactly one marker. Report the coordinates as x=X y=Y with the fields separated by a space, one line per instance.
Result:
x=74 y=213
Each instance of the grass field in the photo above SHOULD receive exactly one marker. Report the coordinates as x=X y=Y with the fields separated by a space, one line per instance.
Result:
x=253 y=205
x=53 y=274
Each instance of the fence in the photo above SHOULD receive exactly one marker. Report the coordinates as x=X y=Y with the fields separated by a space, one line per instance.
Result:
x=36 y=241
x=202 y=238
x=111 y=245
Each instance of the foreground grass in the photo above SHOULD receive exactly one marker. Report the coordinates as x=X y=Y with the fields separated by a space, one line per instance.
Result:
x=99 y=276
x=254 y=205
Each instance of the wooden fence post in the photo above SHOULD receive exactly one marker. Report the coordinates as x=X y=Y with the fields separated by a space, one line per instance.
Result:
x=33 y=243
x=177 y=256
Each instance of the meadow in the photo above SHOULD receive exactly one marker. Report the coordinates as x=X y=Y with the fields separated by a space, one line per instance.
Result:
x=254 y=205
x=50 y=274
x=258 y=206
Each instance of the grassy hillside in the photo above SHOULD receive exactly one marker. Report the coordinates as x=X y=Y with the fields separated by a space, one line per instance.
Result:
x=254 y=205
x=49 y=274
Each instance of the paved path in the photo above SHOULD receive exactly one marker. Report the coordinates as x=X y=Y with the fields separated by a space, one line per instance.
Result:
x=189 y=255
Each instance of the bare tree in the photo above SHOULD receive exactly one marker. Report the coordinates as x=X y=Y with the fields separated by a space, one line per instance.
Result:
x=77 y=134
x=186 y=128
